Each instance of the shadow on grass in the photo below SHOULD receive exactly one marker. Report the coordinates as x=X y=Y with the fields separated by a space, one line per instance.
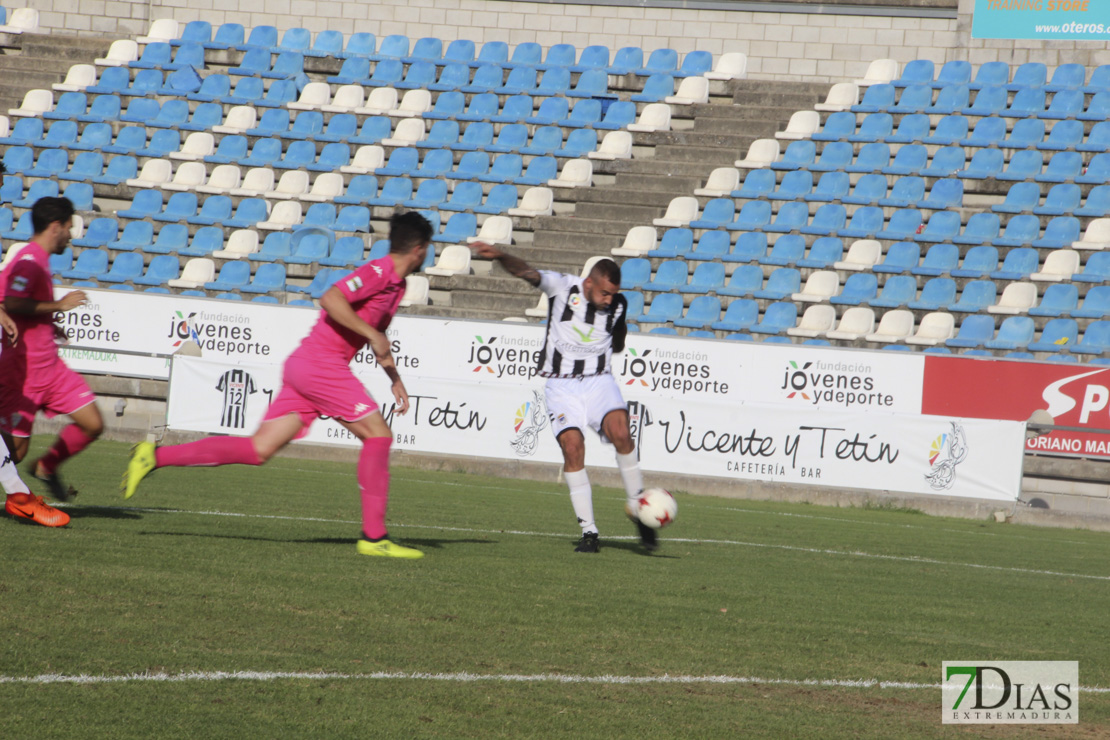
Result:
x=410 y=542
x=633 y=547
x=76 y=511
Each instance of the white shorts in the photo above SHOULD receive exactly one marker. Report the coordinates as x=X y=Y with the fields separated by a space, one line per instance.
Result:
x=577 y=403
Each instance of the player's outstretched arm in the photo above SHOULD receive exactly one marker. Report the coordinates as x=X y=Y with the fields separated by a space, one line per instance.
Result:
x=31 y=307
x=514 y=265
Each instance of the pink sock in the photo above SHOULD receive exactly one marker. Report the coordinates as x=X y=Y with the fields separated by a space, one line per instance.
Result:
x=70 y=441
x=373 y=483
x=209 y=451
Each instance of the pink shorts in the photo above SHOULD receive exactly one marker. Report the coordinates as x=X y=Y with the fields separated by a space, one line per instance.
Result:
x=58 y=390
x=312 y=389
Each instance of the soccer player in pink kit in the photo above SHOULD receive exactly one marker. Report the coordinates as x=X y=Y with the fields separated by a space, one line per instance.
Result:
x=32 y=375
x=317 y=381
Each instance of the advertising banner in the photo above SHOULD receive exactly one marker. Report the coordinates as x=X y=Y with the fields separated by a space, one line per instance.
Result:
x=1074 y=396
x=1069 y=20
x=727 y=439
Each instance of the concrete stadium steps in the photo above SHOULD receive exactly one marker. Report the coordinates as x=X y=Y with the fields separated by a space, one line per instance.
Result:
x=41 y=61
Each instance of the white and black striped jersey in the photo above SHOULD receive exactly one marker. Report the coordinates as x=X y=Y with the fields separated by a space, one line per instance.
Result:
x=237 y=386
x=581 y=338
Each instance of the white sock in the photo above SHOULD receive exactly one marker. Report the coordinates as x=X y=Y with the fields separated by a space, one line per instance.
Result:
x=582 y=499
x=9 y=475
x=633 y=479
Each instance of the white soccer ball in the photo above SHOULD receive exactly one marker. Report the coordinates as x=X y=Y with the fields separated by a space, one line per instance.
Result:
x=657 y=508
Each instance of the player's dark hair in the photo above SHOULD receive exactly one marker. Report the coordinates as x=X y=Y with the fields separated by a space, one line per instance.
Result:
x=607 y=269
x=407 y=231
x=46 y=211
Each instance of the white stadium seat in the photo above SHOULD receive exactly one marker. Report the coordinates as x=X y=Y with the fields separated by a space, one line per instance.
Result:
x=379 y=102
x=536 y=201
x=721 y=182
x=1096 y=235
x=821 y=285
x=856 y=322
x=654 y=117
x=879 y=72
x=802 y=125
x=325 y=188
x=256 y=182
x=293 y=184
x=162 y=29
x=414 y=103
x=1016 y=298
x=934 y=328
x=615 y=145
x=367 y=159
x=196 y=146
x=154 y=174
x=730 y=66
x=815 y=321
x=1058 y=265
x=77 y=78
x=680 y=212
x=637 y=242
x=416 y=291
x=121 y=53
x=224 y=179
x=187 y=177
x=691 y=91
x=842 y=96
x=862 y=255
x=454 y=260
x=761 y=153
x=238 y=119
x=197 y=272
x=35 y=103
x=495 y=230
x=240 y=245
x=893 y=327
x=577 y=173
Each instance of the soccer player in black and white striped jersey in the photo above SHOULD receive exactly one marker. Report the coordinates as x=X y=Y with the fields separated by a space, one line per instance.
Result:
x=585 y=326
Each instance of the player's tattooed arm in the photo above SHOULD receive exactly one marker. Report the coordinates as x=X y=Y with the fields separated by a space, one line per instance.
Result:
x=514 y=265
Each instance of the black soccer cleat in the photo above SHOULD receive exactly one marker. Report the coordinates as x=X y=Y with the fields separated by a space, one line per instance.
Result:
x=53 y=482
x=647 y=536
x=588 y=543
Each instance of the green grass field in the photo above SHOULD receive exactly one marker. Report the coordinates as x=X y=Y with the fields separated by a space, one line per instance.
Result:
x=772 y=612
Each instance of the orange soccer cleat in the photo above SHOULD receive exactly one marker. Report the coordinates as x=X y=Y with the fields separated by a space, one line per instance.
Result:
x=28 y=506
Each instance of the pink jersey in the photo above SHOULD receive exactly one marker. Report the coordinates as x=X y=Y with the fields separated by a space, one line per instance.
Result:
x=28 y=276
x=374 y=292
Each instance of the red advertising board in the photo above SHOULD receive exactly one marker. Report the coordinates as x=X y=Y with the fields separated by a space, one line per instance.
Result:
x=1074 y=395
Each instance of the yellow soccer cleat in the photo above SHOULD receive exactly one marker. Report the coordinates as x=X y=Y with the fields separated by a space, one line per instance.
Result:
x=141 y=464
x=386 y=549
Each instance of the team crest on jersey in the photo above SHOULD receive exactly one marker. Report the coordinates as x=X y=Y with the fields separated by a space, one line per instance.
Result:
x=354 y=283
x=574 y=301
x=19 y=283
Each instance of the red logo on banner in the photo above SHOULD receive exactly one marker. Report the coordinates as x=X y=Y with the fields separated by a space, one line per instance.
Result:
x=1074 y=396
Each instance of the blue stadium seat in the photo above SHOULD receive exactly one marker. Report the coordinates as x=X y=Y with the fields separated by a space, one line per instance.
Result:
x=743 y=282
x=740 y=315
x=89 y=264
x=545 y=141
x=347 y=252
x=492 y=52
x=518 y=109
x=760 y=184
x=750 y=246
x=795 y=184
x=975 y=331
x=676 y=242
x=402 y=161
x=459 y=51
x=1028 y=75
x=984 y=164
x=1024 y=165
x=466 y=196
x=393 y=192
x=1020 y=230
x=487 y=78
x=328 y=43
x=1097 y=203
x=269 y=278
x=907 y=191
x=332 y=157
x=946 y=162
x=1095 y=341
x=777 y=318
x=420 y=74
x=1096 y=304
x=322 y=214
x=476 y=166
x=478 y=135
x=38 y=189
x=909 y=160
x=713 y=246
x=429 y=194
x=1027 y=102
x=1097 y=141
x=353 y=71
x=617 y=116
x=781 y=283
x=1096 y=269
x=1059 y=299
x=99 y=233
x=703 y=311
x=438 y=163
x=936 y=294
x=859 y=288
x=786 y=251
x=172 y=238
x=207 y=240
x=978 y=262
x=668 y=276
x=188 y=58
x=1063 y=167
x=901 y=257
x=956 y=72
x=943 y=226
x=213 y=88
x=249 y=212
x=975 y=297
x=162 y=268
x=657 y=87
x=798 y=155
x=903 y=224
x=112 y=81
x=1015 y=333
x=823 y=253
x=1019 y=264
x=428 y=49
x=50 y=164
x=307 y=125
x=458 y=228
x=790 y=217
x=1061 y=231
x=1058 y=335
x=866 y=223
x=717 y=213
x=989 y=101
x=592 y=57
x=359 y=190
x=233 y=275
x=592 y=83
x=387 y=73
x=875 y=127
x=829 y=219
x=898 y=290
x=707 y=278
x=832 y=186
x=838 y=127
x=991 y=74
x=267 y=153
x=664 y=309
x=950 y=99
x=1021 y=198
x=448 y=105
x=1061 y=199
x=870 y=189
x=340 y=128
x=916 y=72
x=835 y=156
x=144 y=204
x=1098 y=109
x=950 y=130
x=877 y=98
x=275 y=248
x=230 y=150
x=520 y=80
x=635 y=306
x=939 y=260
x=1098 y=170
x=635 y=272
x=914 y=99
x=511 y=138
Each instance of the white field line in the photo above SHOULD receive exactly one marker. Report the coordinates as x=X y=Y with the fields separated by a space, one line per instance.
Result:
x=685 y=540
x=463 y=677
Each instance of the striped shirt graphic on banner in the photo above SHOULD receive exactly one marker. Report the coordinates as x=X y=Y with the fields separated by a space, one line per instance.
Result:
x=579 y=341
x=236 y=385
